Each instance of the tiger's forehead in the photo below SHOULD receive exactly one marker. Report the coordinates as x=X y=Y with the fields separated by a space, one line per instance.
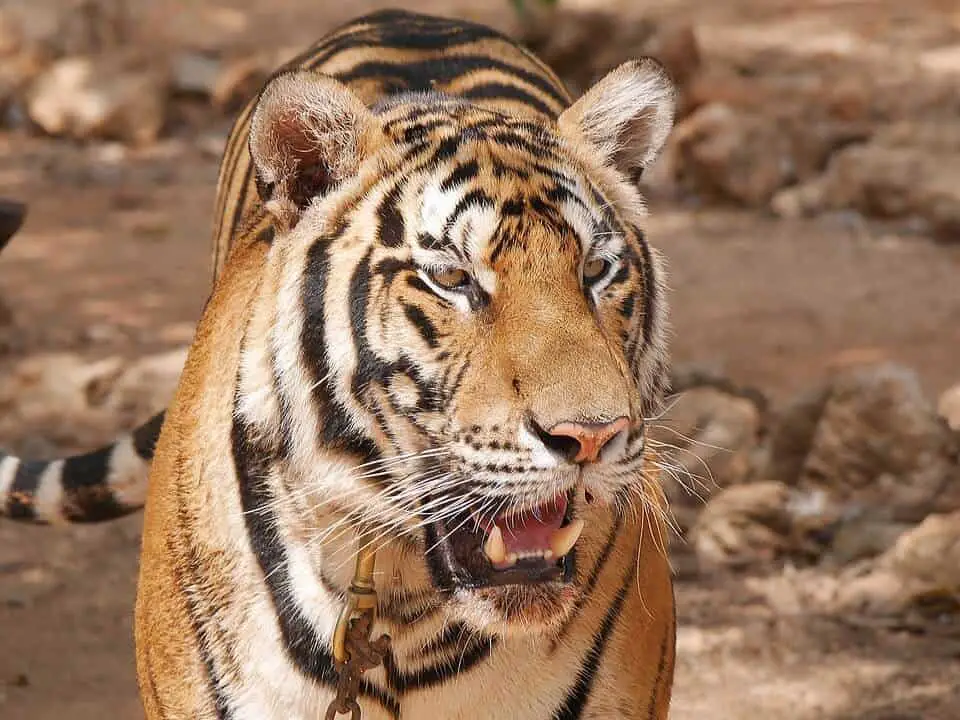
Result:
x=470 y=176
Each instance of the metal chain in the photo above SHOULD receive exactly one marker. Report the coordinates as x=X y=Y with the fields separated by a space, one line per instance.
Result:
x=353 y=650
x=363 y=655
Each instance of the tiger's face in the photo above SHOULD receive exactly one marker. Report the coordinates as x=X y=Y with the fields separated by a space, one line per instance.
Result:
x=466 y=302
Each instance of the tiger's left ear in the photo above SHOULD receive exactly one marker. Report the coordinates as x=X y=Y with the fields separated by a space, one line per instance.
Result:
x=308 y=134
x=625 y=117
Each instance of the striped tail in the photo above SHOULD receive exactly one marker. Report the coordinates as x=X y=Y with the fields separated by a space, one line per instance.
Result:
x=99 y=485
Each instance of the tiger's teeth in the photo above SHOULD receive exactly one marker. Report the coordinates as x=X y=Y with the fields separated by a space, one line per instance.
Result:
x=494 y=547
x=565 y=538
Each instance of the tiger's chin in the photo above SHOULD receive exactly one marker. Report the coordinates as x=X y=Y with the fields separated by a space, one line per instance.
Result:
x=511 y=573
x=516 y=610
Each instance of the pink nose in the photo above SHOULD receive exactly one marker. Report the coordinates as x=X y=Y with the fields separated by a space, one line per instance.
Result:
x=582 y=442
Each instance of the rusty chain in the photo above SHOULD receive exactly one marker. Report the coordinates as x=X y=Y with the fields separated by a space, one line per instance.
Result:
x=353 y=650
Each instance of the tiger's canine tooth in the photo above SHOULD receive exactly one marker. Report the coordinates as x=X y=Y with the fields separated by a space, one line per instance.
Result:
x=494 y=547
x=565 y=538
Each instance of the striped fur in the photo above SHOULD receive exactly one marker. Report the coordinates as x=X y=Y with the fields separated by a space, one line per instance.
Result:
x=99 y=485
x=406 y=214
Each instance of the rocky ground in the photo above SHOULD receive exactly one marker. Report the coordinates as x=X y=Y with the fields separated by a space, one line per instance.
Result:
x=810 y=212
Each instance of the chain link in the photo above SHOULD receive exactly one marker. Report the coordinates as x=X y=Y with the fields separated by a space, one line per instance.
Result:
x=353 y=650
x=362 y=655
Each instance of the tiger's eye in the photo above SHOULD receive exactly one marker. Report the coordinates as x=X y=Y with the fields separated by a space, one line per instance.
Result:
x=450 y=278
x=594 y=268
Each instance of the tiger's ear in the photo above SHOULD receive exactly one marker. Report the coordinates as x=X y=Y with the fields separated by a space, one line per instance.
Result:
x=625 y=118
x=308 y=133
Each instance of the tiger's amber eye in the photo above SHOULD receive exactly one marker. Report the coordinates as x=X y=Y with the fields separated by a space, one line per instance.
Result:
x=594 y=269
x=450 y=278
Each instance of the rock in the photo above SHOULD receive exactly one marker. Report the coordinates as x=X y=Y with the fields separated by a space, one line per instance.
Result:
x=78 y=403
x=145 y=386
x=744 y=525
x=919 y=574
x=20 y=62
x=799 y=201
x=239 y=81
x=792 y=435
x=878 y=443
x=863 y=536
x=910 y=170
x=948 y=407
x=865 y=592
x=582 y=45
x=227 y=85
x=11 y=34
x=928 y=556
x=705 y=440
x=85 y=98
x=195 y=73
x=676 y=46
x=731 y=155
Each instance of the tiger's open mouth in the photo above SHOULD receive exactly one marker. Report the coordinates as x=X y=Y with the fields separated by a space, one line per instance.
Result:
x=530 y=547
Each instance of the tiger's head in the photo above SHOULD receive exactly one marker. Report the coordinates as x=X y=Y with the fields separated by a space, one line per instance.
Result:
x=463 y=326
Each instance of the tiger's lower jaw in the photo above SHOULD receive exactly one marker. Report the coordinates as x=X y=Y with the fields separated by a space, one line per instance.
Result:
x=508 y=572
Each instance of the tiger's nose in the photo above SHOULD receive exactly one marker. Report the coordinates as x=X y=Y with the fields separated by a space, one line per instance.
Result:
x=581 y=442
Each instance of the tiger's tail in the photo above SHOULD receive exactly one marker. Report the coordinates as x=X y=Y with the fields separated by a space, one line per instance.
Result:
x=99 y=485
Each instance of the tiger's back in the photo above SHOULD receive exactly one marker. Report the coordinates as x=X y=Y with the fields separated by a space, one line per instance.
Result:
x=434 y=317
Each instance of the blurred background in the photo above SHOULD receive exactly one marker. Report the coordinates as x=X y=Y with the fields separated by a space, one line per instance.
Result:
x=809 y=208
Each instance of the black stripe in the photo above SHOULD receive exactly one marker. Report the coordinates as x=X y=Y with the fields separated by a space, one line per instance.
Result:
x=502 y=91
x=578 y=695
x=664 y=677
x=536 y=147
x=87 y=497
x=626 y=306
x=388 y=268
x=461 y=173
x=338 y=431
x=24 y=488
x=474 y=198
x=391 y=221
x=369 y=367
x=241 y=202
x=447 y=640
x=145 y=437
x=593 y=578
x=404 y=617
x=421 y=131
x=188 y=575
x=449 y=393
x=422 y=75
x=471 y=653
x=445 y=150
x=623 y=272
x=429 y=242
x=231 y=157
x=401 y=30
x=303 y=646
x=649 y=288
x=428 y=331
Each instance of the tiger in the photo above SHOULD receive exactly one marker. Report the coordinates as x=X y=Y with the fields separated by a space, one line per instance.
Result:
x=436 y=332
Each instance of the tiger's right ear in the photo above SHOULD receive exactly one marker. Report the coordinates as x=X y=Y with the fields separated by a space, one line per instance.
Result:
x=308 y=133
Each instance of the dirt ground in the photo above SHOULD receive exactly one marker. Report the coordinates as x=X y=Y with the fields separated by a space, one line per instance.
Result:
x=113 y=258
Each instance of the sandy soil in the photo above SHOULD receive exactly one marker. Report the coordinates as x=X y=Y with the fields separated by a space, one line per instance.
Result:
x=114 y=259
